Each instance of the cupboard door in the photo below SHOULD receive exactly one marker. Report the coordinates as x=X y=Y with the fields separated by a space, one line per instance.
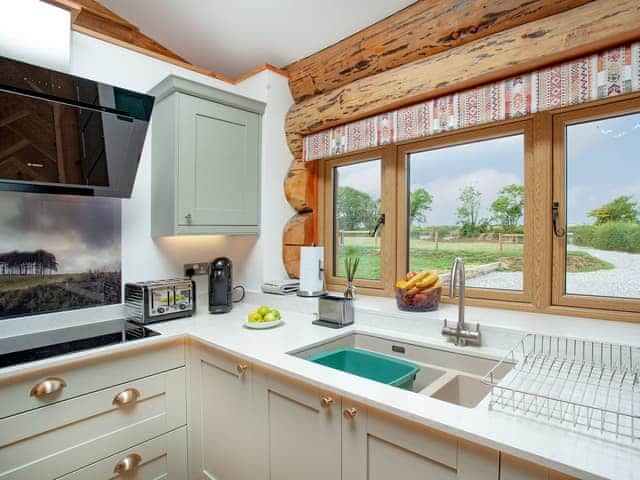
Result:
x=377 y=446
x=221 y=419
x=218 y=168
x=302 y=432
x=513 y=468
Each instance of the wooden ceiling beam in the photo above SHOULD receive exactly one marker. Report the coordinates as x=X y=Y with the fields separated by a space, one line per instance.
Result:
x=92 y=18
x=583 y=30
x=423 y=29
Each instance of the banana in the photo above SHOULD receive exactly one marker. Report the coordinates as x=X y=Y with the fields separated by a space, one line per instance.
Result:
x=429 y=280
x=415 y=280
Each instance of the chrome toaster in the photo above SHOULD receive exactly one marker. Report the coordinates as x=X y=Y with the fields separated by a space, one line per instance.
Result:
x=158 y=300
x=334 y=311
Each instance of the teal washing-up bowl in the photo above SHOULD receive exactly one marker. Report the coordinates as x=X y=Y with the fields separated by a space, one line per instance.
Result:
x=389 y=370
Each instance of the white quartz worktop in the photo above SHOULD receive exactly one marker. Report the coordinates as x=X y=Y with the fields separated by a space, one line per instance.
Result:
x=555 y=447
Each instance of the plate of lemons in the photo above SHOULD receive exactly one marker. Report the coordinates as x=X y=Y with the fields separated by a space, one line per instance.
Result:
x=263 y=317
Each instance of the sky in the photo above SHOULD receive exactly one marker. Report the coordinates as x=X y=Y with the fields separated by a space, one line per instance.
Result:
x=82 y=232
x=487 y=165
x=603 y=162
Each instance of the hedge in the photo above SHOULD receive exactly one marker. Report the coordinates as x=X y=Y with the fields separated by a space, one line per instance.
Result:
x=617 y=236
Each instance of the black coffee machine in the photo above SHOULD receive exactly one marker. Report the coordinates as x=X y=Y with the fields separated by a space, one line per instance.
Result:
x=221 y=286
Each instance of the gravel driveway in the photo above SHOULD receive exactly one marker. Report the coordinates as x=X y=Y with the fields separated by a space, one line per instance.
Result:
x=621 y=281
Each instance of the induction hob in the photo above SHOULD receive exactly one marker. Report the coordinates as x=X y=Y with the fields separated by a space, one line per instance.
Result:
x=52 y=343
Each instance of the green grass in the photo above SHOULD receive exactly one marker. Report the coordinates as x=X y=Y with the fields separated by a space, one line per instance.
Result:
x=424 y=256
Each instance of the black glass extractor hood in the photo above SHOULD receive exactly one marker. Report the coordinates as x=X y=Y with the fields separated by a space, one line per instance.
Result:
x=68 y=135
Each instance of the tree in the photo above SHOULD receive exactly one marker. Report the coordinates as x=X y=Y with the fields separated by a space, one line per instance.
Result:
x=621 y=209
x=469 y=209
x=419 y=204
x=356 y=210
x=508 y=208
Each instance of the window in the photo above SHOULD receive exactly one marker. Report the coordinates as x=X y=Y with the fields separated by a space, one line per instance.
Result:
x=490 y=194
x=597 y=187
x=466 y=198
x=360 y=216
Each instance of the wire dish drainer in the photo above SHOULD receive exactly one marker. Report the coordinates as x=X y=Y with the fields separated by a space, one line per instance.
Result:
x=587 y=385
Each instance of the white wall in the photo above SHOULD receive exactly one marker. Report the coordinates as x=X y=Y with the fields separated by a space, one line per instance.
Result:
x=255 y=258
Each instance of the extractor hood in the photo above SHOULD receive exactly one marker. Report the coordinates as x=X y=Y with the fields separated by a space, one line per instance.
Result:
x=68 y=135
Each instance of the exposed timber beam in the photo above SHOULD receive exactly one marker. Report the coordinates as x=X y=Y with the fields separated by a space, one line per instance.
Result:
x=418 y=31
x=583 y=30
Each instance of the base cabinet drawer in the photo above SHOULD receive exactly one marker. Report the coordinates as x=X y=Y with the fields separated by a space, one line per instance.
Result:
x=164 y=457
x=88 y=375
x=56 y=439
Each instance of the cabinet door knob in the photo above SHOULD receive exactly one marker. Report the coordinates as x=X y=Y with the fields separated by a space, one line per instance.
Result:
x=188 y=217
x=130 y=395
x=128 y=463
x=47 y=387
x=326 y=402
x=350 y=413
x=242 y=368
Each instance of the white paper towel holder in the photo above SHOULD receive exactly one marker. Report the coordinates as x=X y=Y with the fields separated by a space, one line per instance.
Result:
x=318 y=293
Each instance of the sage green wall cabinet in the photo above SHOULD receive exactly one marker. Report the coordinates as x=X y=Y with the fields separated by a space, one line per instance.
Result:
x=205 y=161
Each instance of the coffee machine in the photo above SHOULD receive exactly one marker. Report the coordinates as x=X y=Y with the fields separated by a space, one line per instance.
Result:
x=221 y=286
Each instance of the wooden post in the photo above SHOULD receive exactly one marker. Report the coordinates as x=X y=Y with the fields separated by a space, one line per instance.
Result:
x=437 y=237
x=500 y=241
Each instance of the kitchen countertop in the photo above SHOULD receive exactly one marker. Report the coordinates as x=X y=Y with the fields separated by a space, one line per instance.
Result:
x=555 y=447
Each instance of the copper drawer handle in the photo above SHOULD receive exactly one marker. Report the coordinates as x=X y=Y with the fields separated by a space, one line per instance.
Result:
x=350 y=413
x=326 y=402
x=242 y=368
x=128 y=463
x=130 y=395
x=47 y=387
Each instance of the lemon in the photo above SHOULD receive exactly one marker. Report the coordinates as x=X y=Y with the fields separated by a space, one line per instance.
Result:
x=276 y=313
x=254 y=317
x=269 y=317
x=264 y=310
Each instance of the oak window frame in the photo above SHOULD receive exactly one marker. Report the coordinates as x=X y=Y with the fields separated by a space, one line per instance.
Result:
x=543 y=272
x=327 y=234
x=587 y=113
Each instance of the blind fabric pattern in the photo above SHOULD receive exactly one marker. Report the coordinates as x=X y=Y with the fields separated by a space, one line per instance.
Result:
x=601 y=75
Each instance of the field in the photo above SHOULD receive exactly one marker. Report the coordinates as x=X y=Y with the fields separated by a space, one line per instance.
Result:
x=29 y=294
x=423 y=255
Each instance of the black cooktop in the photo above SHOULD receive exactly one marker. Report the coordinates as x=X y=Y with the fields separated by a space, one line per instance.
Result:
x=51 y=343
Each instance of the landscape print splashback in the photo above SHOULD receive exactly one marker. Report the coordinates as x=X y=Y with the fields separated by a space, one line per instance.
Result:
x=58 y=253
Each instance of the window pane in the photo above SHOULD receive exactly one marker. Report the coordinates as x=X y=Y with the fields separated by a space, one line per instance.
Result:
x=603 y=195
x=468 y=201
x=357 y=209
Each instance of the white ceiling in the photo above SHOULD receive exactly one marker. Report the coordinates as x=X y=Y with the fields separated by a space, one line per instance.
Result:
x=234 y=36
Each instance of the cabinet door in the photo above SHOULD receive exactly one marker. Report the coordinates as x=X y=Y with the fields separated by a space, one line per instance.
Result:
x=377 y=446
x=302 y=431
x=218 y=164
x=221 y=418
x=513 y=468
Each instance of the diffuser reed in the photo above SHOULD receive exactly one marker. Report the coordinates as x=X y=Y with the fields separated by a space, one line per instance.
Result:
x=351 y=267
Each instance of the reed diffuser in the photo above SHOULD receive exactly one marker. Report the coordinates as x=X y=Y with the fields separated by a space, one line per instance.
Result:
x=350 y=267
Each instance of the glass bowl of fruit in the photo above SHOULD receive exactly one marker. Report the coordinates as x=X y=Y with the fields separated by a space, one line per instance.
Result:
x=419 y=292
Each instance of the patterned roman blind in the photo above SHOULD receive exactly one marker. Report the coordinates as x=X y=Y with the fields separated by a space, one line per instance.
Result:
x=605 y=74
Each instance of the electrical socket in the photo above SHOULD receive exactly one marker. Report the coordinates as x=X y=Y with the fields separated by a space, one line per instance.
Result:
x=201 y=268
